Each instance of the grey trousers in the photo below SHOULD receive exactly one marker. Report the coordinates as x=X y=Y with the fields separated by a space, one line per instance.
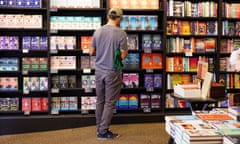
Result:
x=108 y=86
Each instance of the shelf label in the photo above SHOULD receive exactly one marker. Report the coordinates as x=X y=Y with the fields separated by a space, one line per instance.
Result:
x=86 y=70
x=114 y=111
x=25 y=72
x=26 y=113
x=25 y=51
x=88 y=90
x=54 y=71
x=188 y=54
x=54 y=31
x=26 y=91
x=84 y=112
x=150 y=89
x=55 y=112
x=53 y=9
x=53 y=51
x=149 y=70
x=147 y=110
x=55 y=90
x=86 y=51
x=147 y=51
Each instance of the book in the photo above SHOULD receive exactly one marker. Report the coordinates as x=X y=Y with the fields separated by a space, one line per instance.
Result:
x=123 y=102
x=156 y=42
x=36 y=104
x=125 y=80
x=202 y=28
x=26 y=104
x=43 y=83
x=229 y=139
x=63 y=81
x=35 y=83
x=133 y=101
x=227 y=127
x=155 y=101
x=132 y=41
x=212 y=28
x=214 y=116
x=145 y=101
x=85 y=62
x=146 y=41
x=148 y=81
x=72 y=81
x=157 y=81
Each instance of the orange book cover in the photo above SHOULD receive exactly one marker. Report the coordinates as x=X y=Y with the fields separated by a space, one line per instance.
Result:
x=185 y=28
x=114 y=3
x=202 y=28
x=146 y=61
x=193 y=45
x=215 y=116
x=156 y=61
x=169 y=30
x=169 y=61
x=178 y=64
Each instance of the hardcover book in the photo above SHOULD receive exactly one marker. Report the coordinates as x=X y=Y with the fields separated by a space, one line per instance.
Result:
x=36 y=104
x=43 y=83
x=146 y=41
x=133 y=101
x=157 y=81
x=145 y=101
x=148 y=81
x=26 y=104
x=123 y=102
x=35 y=83
x=132 y=42
x=133 y=80
x=155 y=101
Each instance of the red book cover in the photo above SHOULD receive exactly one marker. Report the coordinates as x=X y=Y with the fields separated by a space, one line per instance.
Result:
x=156 y=61
x=36 y=104
x=215 y=116
x=146 y=61
x=193 y=64
x=202 y=28
x=44 y=104
x=178 y=64
x=26 y=104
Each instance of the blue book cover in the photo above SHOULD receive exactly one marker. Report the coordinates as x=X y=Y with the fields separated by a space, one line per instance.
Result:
x=133 y=22
x=148 y=81
x=153 y=21
x=36 y=3
x=3 y=3
x=156 y=42
x=11 y=3
x=26 y=42
x=124 y=23
x=43 y=43
x=143 y=22
x=35 y=41
x=146 y=41
x=27 y=3
x=157 y=81
x=19 y=3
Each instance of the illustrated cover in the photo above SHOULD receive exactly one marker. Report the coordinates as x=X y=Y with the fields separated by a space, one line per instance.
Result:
x=133 y=22
x=26 y=104
x=132 y=41
x=35 y=83
x=44 y=104
x=92 y=81
x=88 y=103
x=70 y=42
x=157 y=81
x=156 y=42
x=146 y=60
x=55 y=82
x=210 y=45
x=43 y=83
x=36 y=104
x=14 y=104
x=216 y=116
x=125 y=80
x=185 y=28
x=145 y=101
x=13 y=43
x=26 y=42
x=133 y=80
x=43 y=43
x=148 y=81
x=123 y=102
x=237 y=28
x=35 y=43
x=212 y=28
x=27 y=83
x=147 y=41
x=93 y=62
x=85 y=62
x=227 y=127
x=43 y=64
x=202 y=28
x=85 y=81
x=153 y=22
x=143 y=22
x=34 y=63
x=72 y=81
x=55 y=103
x=200 y=45
x=73 y=103
x=231 y=28
x=155 y=101
x=133 y=101
x=63 y=79
x=156 y=61
x=64 y=103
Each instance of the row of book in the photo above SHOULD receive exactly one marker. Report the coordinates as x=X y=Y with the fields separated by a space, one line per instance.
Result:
x=9 y=43
x=9 y=104
x=151 y=61
x=34 y=64
x=74 y=23
x=21 y=21
x=231 y=81
x=135 y=4
x=88 y=81
x=63 y=81
x=224 y=65
x=63 y=42
x=9 y=64
x=34 y=43
x=230 y=10
x=132 y=61
x=63 y=62
x=192 y=8
x=8 y=83
x=209 y=128
x=182 y=27
x=181 y=64
x=34 y=104
x=35 y=84
x=21 y=3
x=139 y=22
x=64 y=103
x=152 y=81
x=194 y=45
x=174 y=79
x=74 y=4
x=230 y=28
x=229 y=45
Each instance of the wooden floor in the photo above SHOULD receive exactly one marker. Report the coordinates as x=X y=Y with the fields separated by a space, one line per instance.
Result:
x=150 y=133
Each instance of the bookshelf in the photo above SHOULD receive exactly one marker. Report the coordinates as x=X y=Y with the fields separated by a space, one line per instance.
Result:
x=165 y=42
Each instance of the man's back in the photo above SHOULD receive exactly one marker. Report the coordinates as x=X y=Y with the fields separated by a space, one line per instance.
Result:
x=107 y=39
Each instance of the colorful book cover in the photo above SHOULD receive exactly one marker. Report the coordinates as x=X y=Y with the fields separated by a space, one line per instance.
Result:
x=55 y=82
x=146 y=61
x=157 y=81
x=155 y=101
x=185 y=28
x=43 y=43
x=133 y=101
x=156 y=61
x=125 y=80
x=72 y=81
x=85 y=62
x=43 y=83
x=35 y=43
x=133 y=80
x=92 y=62
x=148 y=81
x=55 y=103
x=44 y=104
x=123 y=102
x=26 y=84
x=26 y=104
x=212 y=28
x=202 y=28
x=147 y=41
x=36 y=104
x=145 y=101
x=35 y=83
x=43 y=64
x=64 y=103
x=132 y=41
x=92 y=81
x=13 y=43
x=63 y=79
x=26 y=42
x=156 y=42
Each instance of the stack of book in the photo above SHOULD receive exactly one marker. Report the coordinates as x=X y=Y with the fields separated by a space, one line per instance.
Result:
x=234 y=111
x=231 y=139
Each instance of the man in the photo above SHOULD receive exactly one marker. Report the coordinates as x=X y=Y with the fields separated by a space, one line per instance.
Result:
x=106 y=41
x=235 y=59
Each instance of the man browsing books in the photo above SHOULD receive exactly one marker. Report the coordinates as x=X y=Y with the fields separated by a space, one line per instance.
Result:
x=109 y=44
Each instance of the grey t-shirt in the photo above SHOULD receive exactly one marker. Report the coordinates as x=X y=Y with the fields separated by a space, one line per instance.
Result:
x=106 y=40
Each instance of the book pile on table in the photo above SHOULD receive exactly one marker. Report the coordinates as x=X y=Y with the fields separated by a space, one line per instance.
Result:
x=234 y=111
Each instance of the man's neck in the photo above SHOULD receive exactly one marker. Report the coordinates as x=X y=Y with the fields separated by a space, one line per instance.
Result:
x=111 y=23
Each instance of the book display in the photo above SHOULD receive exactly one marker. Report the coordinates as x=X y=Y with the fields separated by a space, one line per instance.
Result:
x=45 y=66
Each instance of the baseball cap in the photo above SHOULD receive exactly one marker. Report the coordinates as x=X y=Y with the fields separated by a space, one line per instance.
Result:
x=115 y=12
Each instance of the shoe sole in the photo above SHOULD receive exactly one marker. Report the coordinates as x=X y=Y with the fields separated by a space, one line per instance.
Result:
x=108 y=138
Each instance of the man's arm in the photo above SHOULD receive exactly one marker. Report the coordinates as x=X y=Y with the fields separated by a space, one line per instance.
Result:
x=124 y=54
x=92 y=51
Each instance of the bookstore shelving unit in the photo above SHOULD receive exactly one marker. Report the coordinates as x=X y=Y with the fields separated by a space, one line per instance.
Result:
x=177 y=35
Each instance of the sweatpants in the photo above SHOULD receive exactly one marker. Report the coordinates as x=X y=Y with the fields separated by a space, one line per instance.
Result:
x=108 y=87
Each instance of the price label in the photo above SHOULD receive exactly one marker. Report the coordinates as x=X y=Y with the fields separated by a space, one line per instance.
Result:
x=53 y=9
x=25 y=51
x=188 y=54
x=85 y=51
x=27 y=113
x=55 y=90
x=26 y=91
x=150 y=89
x=54 y=51
x=147 y=51
x=149 y=70
x=25 y=72
x=54 y=31
x=55 y=112
x=86 y=70
x=54 y=71
x=84 y=112
x=88 y=90
x=147 y=110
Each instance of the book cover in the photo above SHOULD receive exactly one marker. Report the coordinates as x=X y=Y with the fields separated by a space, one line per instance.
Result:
x=55 y=82
x=217 y=116
x=63 y=79
x=64 y=103
x=36 y=104
x=125 y=80
x=72 y=81
x=93 y=62
x=26 y=84
x=133 y=101
x=13 y=43
x=35 y=43
x=148 y=81
x=85 y=82
x=156 y=42
x=92 y=81
x=26 y=104
x=231 y=28
x=43 y=43
x=212 y=28
x=73 y=103
x=143 y=22
x=145 y=101
x=44 y=104
x=155 y=101
x=156 y=61
x=132 y=41
x=185 y=28
x=146 y=61
x=202 y=28
x=43 y=64
x=133 y=80
x=147 y=41
x=123 y=102
x=55 y=103
x=157 y=81
x=43 y=83
x=85 y=62
x=35 y=83
x=26 y=42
